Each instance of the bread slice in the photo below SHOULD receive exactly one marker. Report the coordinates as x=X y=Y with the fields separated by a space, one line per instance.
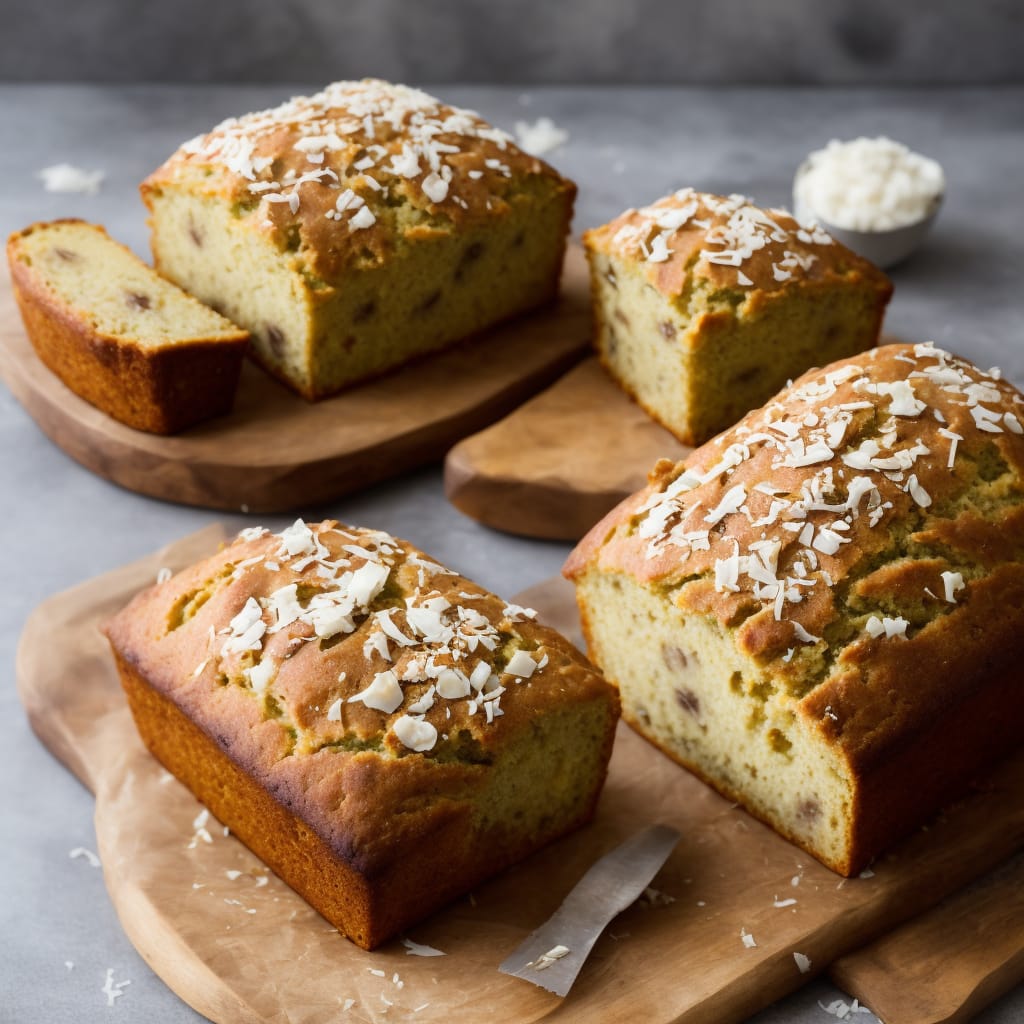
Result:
x=706 y=305
x=358 y=228
x=119 y=335
x=821 y=612
x=382 y=732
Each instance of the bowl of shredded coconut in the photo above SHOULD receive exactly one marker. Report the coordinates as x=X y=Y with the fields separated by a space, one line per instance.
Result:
x=875 y=196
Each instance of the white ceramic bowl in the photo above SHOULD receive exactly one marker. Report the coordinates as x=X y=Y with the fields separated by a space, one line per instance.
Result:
x=883 y=248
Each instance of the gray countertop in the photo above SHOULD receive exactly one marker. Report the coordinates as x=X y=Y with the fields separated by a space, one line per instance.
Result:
x=626 y=147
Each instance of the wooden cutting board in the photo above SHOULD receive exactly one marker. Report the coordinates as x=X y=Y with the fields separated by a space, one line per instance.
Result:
x=972 y=942
x=275 y=451
x=236 y=947
x=558 y=463
x=554 y=466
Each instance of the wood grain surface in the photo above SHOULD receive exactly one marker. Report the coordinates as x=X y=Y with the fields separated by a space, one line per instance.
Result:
x=948 y=964
x=558 y=463
x=238 y=945
x=276 y=452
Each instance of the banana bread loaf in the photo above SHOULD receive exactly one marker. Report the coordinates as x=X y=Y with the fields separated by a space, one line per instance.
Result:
x=706 y=305
x=382 y=732
x=821 y=612
x=352 y=230
x=118 y=334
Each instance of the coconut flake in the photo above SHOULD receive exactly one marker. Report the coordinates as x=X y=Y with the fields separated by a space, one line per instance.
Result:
x=363 y=218
x=260 y=676
x=452 y=684
x=68 y=178
x=521 y=664
x=731 y=502
x=383 y=694
x=435 y=188
x=367 y=582
x=953 y=583
x=540 y=137
x=419 y=949
x=415 y=733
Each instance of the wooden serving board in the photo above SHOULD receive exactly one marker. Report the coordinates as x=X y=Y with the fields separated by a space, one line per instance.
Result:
x=972 y=942
x=275 y=451
x=194 y=900
x=558 y=463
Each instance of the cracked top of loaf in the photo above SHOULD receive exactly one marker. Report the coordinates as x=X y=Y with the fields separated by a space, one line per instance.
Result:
x=860 y=538
x=356 y=168
x=726 y=240
x=327 y=651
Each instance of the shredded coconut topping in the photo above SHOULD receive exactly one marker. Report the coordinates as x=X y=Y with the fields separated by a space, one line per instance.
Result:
x=730 y=230
x=359 y=141
x=424 y=652
x=856 y=483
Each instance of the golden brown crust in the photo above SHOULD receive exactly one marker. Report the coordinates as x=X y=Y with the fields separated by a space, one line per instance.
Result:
x=161 y=390
x=731 y=243
x=877 y=575
x=327 y=173
x=413 y=826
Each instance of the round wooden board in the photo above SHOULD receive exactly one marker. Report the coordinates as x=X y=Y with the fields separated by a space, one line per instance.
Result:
x=558 y=463
x=276 y=452
x=238 y=945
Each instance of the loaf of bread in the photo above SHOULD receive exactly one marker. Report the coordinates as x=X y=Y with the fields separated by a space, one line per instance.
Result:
x=821 y=612
x=119 y=335
x=382 y=732
x=355 y=229
x=705 y=306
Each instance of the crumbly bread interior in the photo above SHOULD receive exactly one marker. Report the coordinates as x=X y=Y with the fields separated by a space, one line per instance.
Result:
x=699 y=361
x=355 y=229
x=705 y=306
x=416 y=734
x=686 y=687
x=820 y=610
x=432 y=290
x=113 y=291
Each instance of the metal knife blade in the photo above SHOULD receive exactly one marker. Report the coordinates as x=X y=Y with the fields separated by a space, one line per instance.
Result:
x=553 y=954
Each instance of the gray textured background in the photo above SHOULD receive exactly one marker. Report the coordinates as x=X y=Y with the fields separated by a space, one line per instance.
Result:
x=528 y=41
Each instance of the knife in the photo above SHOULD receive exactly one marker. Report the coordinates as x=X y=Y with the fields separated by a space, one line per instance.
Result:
x=553 y=955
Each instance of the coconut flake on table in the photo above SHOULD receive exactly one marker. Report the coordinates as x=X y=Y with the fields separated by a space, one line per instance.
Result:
x=420 y=949
x=113 y=990
x=843 y=1010
x=868 y=185
x=540 y=137
x=67 y=178
x=90 y=857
